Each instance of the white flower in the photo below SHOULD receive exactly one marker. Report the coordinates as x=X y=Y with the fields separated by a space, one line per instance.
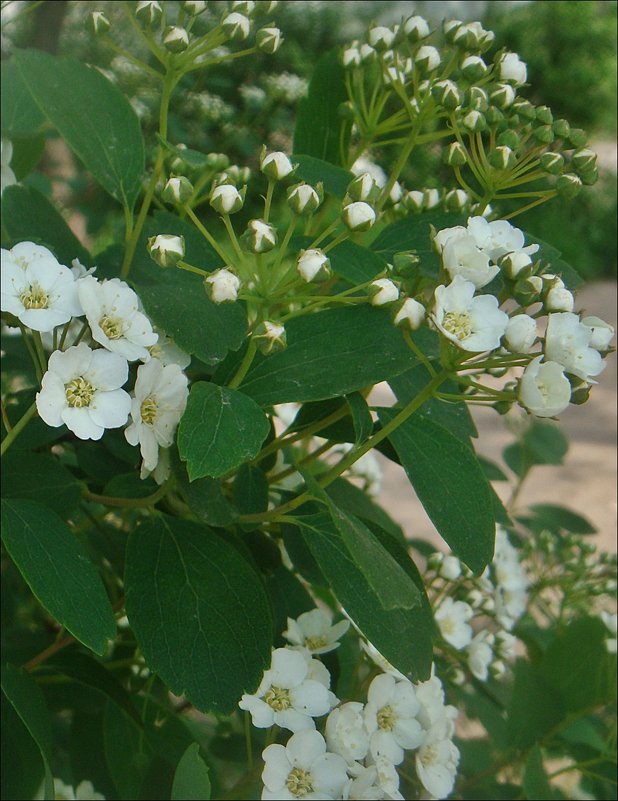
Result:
x=441 y=238
x=312 y=264
x=223 y=286
x=567 y=341
x=286 y=696
x=390 y=718
x=83 y=792
x=602 y=332
x=611 y=622
x=112 y=311
x=452 y=619
x=382 y=291
x=302 y=769
x=559 y=299
x=314 y=630
x=480 y=653
x=159 y=401
x=168 y=352
x=497 y=238
x=511 y=581
x=513 y=69
x=461 y=256
x=351 y=56
x=81 y=388
x=358 y=216
x=544 y=389
x=38 y=290
x=475 y=324
x=345 y=732
x=276 y=166
x=434 y=712
x=506 y=644
x=520 y=334
x=366 y=785
x=436 y=763
x=450 y=568
x=411 y=314
x=7 y=176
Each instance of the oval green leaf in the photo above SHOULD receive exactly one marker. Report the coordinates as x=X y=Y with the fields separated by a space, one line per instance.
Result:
x=191 y=780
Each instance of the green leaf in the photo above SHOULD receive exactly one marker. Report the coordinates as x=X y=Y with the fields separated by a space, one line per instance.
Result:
x=535 y=708
x=361 y=416
x=335 y=179
x=58 y=572
x=199 y=611
x=20 y=114
x=403 y=636
x=330 y=353
x=128 y=753
x=491 y=469
x=176 y=300
x=40 y=477
x=250 y=492
x=536 y=784
x=220 y=430
x=22 y=764
x=555 y=264
x=352 y=499
x=191 y=780
x=26 y=698
x=318 y=124
x=450 y=484
x=29 y=216
x=556 y=518
x=129 y=485
x=27 y=152
x=204 y=496
x=92 y=115
x=541 y=443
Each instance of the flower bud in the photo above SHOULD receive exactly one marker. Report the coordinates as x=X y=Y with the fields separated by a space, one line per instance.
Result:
x=543 y=115
x=552 y=163
x=561 y=128
x=260 y=237
x=503 y=95
x=580 y=394
x=414 y=28
x=367 y=53
x=456 y=200
x=177 y=190
x=275 y=166
x=363 y=188
x=222 y=286
x=175 y=39
x=432 y=198
x=577 y=137
x=236 y=26
x=427 y=59
x=450 y=28
x=497 y=668
x=350 y=57
x=568 y=185
x=382 y=292
x=270 y=337
x=502 y=158
x=520 y=334
x=446 y=93
x=166 y=249
x=525 y=109
x=476 y=99
x=474 y=122
x=237 y=175
x=194 y=7
x=455 y=155
x=508 y=139
x=358 y=216
x=269 y=40
x=380 y=37
x=544 y=134
x=516 y=265
x=584 y=160
x=149 y=12
x=473 y=68
x=466 y=37
x=414 y=201
x=226 y=199
x=589 y=177
x=246 y=7
x=217 y=161
x=602 y=333
x=304 y=199
x=396 y=193
x=528 y=290
x=405 y=264
x=559 y=299
x=513 y=69
x=313 y=265
x=97 y=23
x=494 y=116
x=409 y=314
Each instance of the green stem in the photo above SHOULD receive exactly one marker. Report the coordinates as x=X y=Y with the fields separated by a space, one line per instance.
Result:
x=284 y=245
x=134 y=503
x=268 y=199
x=207 y=235
x=530 y=206
x=38 y=368
x=244 y=366
x=341 y=237
x=17 y=429
x=419 y=354
x=232 y=235
x=191 y=269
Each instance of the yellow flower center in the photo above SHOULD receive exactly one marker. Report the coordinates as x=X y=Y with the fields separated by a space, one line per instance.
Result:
x=111 y=326
x=458 y=324
x=148 y=410
x=278 y=698
x=35 y=297
x=428 y=755
x=299 y=782
x=312 y=643
x=386 y=718
x=79 y=393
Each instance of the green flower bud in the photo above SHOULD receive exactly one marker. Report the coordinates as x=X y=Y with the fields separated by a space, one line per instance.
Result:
x=577 y=137
x=236 y=26
x=97 y=23
x=406 y=264
x=450 y=28
x=473 y=68
x=217 y=161
x=364 y=188
x=524 y=109
x=456 y=200
x=304 y=199
x=517 y=265
x=432 y=198
x=226 y=199
x=260 y=237
x=313 y=265
x=380 y=38
x=494 y=116
x=474 y=122
x=358 y=216
x=345 y=111
x=568 y=185
x=528 y=290
x=508 y=138
x=177 y=190
x=455 y=155
x=502 y=407
x=476 y=98
x=270 y=337
x=414 y=201
x=544 y=134
x=552 y=163
x=446 y=94
x=502 y=158
x=561 y=128
x=194 y=7
x=584 y=160
x=589 y=177
x=237 y=175
x=166 y=249
x=149 y=13
x=544 y=115
x=246 y=7
x=580 y=394
x=269 y=40
x=503 y=95
x=275 y=166
x=427 y=59
x=414 y=28
x=175 y=39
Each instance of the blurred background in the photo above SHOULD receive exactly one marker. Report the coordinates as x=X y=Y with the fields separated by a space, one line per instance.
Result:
x=570 y=50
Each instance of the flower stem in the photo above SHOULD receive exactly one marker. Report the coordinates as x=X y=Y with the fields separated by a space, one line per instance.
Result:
x=244 y=366
x=207 y=235
x=135 y=503
x=17 y=429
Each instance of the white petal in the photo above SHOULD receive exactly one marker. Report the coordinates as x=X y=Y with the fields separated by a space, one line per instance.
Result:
x=73 y=362
x=110 y=409
x=304 y=748
x=277 y=766
x=107 y=370
x=288 y=667
x=311 y=698
x=408 y=732
x=81 y=424
x=293 y=720
x=383 y=744
x=329 y=773
x=51 y=400
x=381 y=690
x=262 y=715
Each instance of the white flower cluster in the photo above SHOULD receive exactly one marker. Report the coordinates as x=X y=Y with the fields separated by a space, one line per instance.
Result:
x=65 y=792
x=82 y=385
x=499 y=596
x=362 y=745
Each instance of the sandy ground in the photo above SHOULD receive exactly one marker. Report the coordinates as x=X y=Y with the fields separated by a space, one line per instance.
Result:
x=586 y=483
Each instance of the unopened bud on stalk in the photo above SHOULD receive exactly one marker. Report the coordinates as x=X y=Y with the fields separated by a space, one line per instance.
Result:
x=584 y=160
x=410 y=314
x=559 y=299
x=427 y=59
x=236 y=26
x=450 y=28
x=363 y=188
x=455 y=155
x=520 y=334
x=432 y=198
x=406 y=264
x=446 y=93
x=502 y=158
x=97 y=23
x=260 y=237
x=494 y=116
x=238 y=175
x=503 y=95
x=313 y=265
x=177 y=190
x=175 y=39
x=508 y=139
x=304 y=199
x=222 y=286
x=275 y=166
x=414 y=28
x=568 y=185
x=194 y=7
x=474 y=122
x=528 y=290
x=217 y=161
x=561 y=128
x=149 y=12
x=473 y=68
x=414 y=201
x=226 y=199
x=456 y=200
x=380 y=37
x=552 y=163
x=513 y=69
x=270 y=337
x=577 y=137
x=543 y=115
x=516 y=265
x=476 y=98
x=246 y=7
x=358 y=216
x=589 y=177
x=166 y=249
x=525 y=109
x=382 y=292
x=269 y=40
x=544 y=134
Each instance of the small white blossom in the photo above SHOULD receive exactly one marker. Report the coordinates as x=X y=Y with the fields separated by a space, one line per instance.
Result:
x=365 y=165
x=276 y=166
x=513 y=69
x=390 y=718
x=559 y=299
x=236 y=26
x=286 y=696
x=351 y=57
x=416 y=27
x=461 y=256
x=411 y=314
x=81 y=389
x=521 y=333
x=434 y=711
x=314 y=630
x=312 y=264
x=450 y=568
x=345 y=732
x=382 y=291
x=544 y=389
x=367 y=784
x=358 y=216
x=7 y=176
x=452 y=618
x=480 y=654
x=602 y=332
x=567 y=341
x=222 y=286
x=436 y=763
x=441 y=238
x=24 y=253
x=159 y=401
x=168 y=352
x=428 y=58
x=302 y=769
x=475 y=324
x=497 y=238
x=511 y=581
x=226 y=199
x=112 y=310
x=64 y=792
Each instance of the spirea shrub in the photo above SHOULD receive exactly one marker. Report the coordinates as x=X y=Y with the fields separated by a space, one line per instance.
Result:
x=204 y=596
